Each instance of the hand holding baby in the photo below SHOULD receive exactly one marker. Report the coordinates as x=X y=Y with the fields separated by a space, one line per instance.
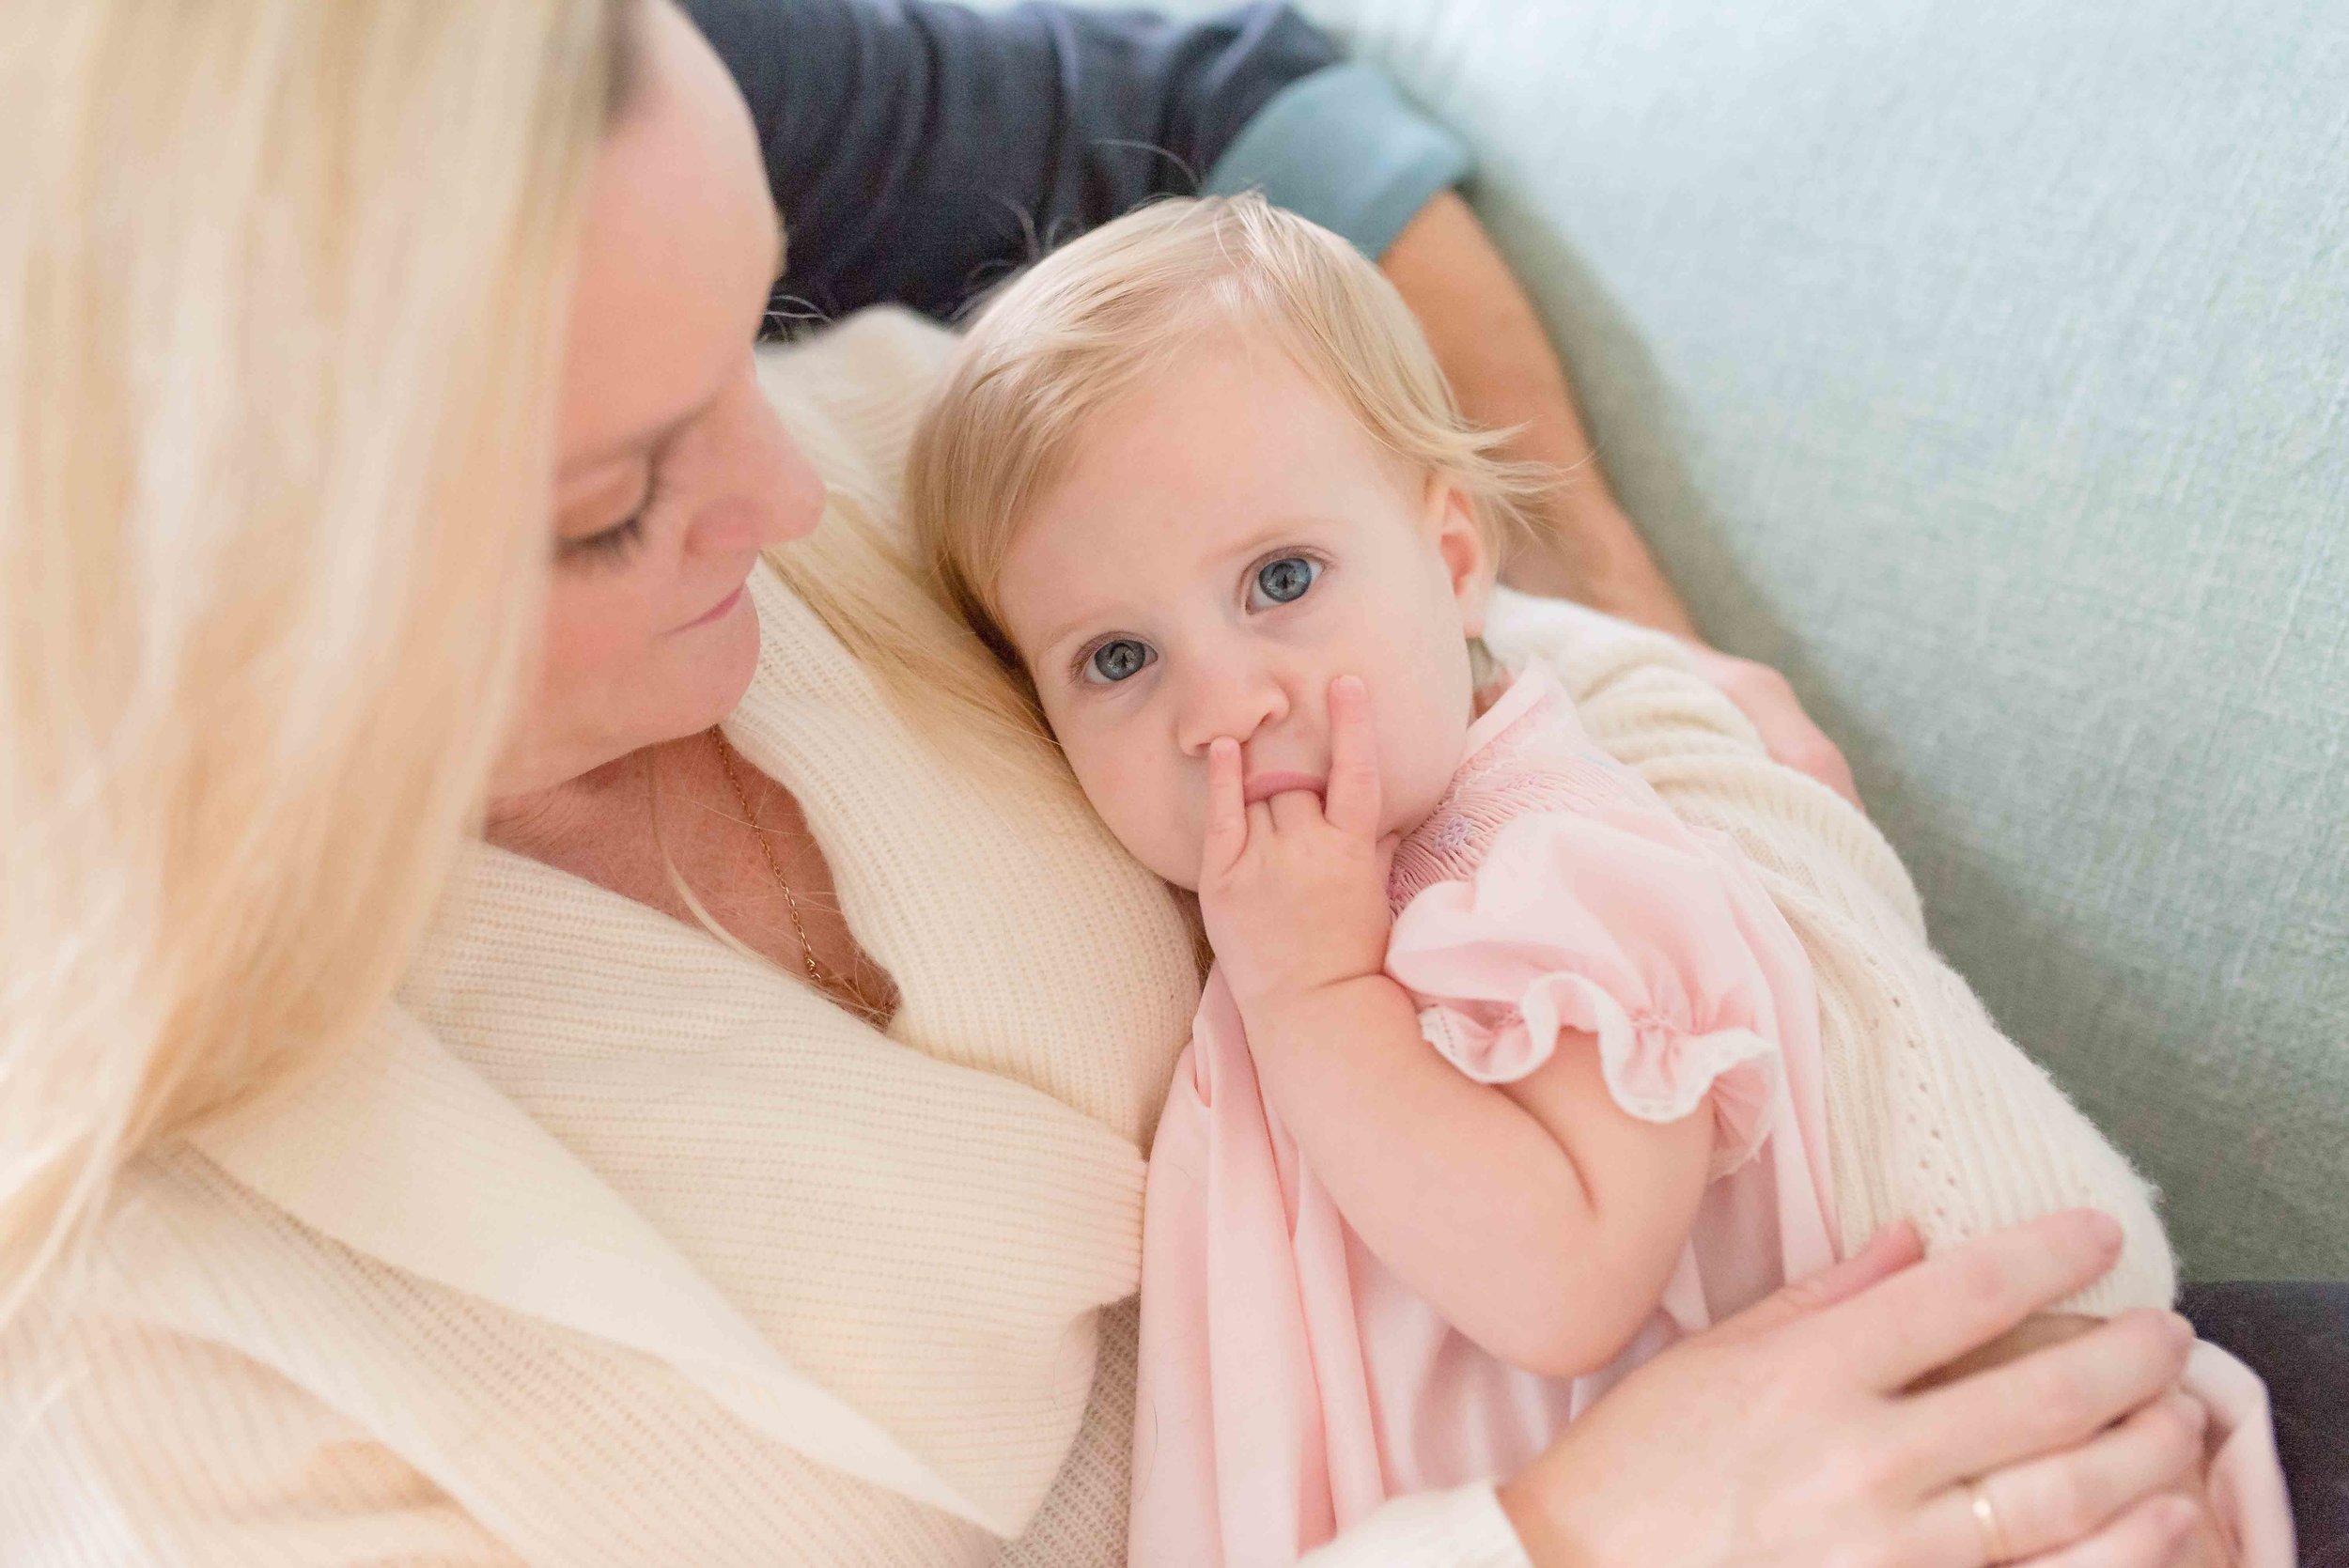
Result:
x=1294 y=888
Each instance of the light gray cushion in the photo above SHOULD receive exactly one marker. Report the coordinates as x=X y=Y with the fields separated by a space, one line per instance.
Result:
x=1984 y=366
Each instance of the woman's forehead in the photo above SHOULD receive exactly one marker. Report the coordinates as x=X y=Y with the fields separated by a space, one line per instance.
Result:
x=678 y=253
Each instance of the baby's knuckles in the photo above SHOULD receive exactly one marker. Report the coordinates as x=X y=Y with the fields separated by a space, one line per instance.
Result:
x=1298 y=912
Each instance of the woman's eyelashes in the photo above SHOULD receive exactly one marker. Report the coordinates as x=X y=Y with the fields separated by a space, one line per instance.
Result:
x=611 y=547
x=613 y=544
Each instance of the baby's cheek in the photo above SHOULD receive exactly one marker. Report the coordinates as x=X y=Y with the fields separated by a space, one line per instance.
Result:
x=1407 y=796
x=1145 y=812
x=1416 y=758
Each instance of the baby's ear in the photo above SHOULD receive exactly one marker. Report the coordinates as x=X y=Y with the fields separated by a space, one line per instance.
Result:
x=1468 y=559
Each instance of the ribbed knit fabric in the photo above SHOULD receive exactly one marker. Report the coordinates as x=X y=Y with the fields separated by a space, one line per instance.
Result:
x=1933 y=1114
x=613 y=1246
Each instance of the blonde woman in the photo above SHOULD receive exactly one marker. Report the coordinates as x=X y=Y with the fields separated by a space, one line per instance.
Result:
x=399 y=1168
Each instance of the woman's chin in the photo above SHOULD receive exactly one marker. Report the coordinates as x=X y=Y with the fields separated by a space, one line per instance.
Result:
x=719 y=659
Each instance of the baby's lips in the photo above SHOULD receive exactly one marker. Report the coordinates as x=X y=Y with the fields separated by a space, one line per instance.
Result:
x=1264 y=786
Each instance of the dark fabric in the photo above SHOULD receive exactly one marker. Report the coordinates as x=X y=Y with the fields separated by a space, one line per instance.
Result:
x=918 y=152
x=2296 y=1336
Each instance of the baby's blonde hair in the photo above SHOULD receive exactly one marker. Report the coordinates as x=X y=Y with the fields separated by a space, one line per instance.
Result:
x=1092 y=321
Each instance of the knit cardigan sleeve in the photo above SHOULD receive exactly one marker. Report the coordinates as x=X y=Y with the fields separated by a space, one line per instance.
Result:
x=140 y=1445
x=1934 y=1114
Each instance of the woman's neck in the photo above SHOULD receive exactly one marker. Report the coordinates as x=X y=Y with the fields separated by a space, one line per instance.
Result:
x=542 y=823
x=670 y=812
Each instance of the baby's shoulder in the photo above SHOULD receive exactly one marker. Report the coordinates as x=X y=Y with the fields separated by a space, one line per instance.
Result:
x=1528 y=754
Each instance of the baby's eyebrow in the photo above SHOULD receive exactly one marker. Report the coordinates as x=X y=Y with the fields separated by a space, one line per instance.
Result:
x=1071 y=631
x=1285 y=529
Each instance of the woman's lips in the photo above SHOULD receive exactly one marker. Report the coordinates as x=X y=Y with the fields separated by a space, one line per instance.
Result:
x=715 y=611
x=1264 y=786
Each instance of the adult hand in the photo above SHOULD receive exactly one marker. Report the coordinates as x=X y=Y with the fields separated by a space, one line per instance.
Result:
x=1791 y=1433
x=2206 y=1543
x=1764 y=696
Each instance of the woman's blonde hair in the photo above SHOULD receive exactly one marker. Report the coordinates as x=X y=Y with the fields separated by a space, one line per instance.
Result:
x=282 y=292
x=1092 y=321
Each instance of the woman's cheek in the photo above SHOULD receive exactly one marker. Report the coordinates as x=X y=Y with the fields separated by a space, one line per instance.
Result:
x=591 y=628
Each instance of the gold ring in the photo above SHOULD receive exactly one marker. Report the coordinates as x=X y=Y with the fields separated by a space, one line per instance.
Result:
x=1986 y=1520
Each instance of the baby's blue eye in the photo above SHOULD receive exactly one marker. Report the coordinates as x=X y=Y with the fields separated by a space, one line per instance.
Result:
x=1285 y=580
x=1116 y=661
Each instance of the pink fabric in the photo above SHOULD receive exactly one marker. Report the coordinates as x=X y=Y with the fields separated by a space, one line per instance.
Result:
x=1290 y=1383
x=2246 y=1480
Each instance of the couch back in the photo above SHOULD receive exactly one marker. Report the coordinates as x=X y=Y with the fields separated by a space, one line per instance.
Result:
x=1985 y=366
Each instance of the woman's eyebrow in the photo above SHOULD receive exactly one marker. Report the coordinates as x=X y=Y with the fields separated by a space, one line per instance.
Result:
x=652 y=440
x=591 y=481
x=631 y=447
x=645 y=443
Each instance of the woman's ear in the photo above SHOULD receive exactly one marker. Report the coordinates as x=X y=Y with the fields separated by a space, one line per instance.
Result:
x=1451 y=522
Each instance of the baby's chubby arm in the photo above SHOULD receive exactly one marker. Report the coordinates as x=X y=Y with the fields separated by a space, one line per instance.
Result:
x=1538 y=1217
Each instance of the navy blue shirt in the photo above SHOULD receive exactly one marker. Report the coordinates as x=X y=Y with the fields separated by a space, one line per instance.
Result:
x=920 y=151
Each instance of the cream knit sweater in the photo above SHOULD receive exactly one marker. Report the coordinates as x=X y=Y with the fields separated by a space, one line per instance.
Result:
x=611 y=1245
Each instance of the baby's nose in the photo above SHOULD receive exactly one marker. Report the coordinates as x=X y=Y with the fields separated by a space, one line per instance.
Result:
x=1238 y=701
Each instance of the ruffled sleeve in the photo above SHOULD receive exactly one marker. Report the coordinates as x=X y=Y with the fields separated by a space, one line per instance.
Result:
x=1621 y=924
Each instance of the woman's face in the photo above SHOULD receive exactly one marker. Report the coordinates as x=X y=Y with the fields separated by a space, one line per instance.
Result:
x=674 y=474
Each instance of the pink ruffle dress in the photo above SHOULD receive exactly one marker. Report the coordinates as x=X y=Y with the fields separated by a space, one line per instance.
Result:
x=1290 y=1383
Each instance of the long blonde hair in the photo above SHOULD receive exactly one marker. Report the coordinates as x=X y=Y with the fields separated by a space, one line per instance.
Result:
x=1091 y=321
x=283 y=289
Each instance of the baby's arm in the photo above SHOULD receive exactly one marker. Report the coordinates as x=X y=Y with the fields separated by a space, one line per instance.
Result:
x=1540 y=1220
x=1933 y=1114
x=1538 y=1217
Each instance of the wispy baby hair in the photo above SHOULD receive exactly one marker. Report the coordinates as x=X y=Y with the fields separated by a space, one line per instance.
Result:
x=1090 y=322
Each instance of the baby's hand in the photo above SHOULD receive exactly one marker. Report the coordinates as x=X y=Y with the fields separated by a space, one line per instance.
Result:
x=1294 y=890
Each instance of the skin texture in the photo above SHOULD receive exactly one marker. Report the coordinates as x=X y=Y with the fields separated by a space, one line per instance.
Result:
x=658 y=402
x=1139 y=543
x=660 y=421
x=679 y=249
x=1865 y=1470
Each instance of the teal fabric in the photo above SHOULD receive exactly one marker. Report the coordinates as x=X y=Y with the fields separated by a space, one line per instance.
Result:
x=1984 y=366
x=1340 y=146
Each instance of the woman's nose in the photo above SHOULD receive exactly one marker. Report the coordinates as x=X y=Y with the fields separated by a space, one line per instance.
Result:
x=773 y=491
x=1235 y=696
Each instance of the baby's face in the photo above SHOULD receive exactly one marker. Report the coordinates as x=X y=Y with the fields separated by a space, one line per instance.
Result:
x=1218 y=549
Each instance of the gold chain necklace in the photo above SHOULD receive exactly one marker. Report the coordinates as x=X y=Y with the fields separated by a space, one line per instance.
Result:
x=844 y=988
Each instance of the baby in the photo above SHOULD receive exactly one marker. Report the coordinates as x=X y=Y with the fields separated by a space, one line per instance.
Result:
x=1504 y=1076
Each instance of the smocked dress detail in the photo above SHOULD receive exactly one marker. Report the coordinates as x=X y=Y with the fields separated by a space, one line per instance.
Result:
x=1290 y=1382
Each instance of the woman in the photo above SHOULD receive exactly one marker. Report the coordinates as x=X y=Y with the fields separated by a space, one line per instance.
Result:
x=312 y=361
